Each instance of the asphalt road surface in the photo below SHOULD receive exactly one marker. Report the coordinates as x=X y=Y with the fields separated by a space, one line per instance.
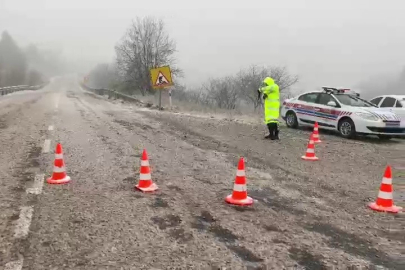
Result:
x=307 y=215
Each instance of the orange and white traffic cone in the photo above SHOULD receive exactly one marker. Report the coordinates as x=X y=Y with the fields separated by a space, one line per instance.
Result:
x=59 y=175
x=310 y=154
x=145 y=179
x=385 y=202
x=239 y=194
x=316 y=133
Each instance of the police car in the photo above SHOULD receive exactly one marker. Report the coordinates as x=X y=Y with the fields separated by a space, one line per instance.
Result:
x=342 y=110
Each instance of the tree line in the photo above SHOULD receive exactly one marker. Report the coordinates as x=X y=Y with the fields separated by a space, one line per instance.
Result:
x=230 y=91
x=25 y=66
x=146 y=44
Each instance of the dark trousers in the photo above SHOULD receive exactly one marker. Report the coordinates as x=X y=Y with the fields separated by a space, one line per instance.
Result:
x=273 y=130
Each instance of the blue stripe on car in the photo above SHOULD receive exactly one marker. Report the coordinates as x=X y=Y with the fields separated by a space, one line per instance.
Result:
x=318 y=114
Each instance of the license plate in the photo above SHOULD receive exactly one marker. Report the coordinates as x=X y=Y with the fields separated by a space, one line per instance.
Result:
x=392 y=123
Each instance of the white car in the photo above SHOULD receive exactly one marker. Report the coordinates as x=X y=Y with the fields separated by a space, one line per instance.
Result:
x=341 y=110
x=395 y=103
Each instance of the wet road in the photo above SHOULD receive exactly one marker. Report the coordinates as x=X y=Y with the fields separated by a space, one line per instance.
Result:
x=307 y=215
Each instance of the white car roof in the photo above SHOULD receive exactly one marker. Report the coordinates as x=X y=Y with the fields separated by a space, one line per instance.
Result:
x=400 y=97
x=323 y=92
x=308 y=92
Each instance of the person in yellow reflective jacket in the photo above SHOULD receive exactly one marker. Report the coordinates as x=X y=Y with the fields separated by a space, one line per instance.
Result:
x=271 y=97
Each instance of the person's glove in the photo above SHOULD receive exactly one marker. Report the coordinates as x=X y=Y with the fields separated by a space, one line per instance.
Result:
x=264 y=96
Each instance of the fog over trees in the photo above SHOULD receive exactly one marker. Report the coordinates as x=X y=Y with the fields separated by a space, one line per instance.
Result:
x=146 y=45
x=26 y=66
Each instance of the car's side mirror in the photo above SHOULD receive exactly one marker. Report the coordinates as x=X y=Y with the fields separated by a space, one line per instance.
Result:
x=332 y=104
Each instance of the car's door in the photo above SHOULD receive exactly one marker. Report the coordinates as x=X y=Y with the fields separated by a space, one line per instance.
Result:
x=399 y=109
x=326 y=114
x=305 y=108
x=388 y=102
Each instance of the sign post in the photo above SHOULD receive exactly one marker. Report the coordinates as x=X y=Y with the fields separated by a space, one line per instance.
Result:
x=170 y=97
x=161 y=78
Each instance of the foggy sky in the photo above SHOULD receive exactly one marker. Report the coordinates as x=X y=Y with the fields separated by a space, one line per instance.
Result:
x=334 y=43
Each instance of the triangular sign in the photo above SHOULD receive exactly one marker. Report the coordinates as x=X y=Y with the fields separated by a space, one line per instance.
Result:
x=161 y=79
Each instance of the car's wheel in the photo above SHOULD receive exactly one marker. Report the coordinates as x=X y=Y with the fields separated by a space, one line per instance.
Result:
x=347 y=129
x=291 y=120
x=385 y=137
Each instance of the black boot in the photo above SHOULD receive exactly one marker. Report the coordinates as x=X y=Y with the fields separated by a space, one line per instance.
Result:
x=273 y=127
x=271 y=131
x=276 y=132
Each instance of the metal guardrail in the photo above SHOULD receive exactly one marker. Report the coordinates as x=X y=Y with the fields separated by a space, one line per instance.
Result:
x=112 y=94
x=11 y=89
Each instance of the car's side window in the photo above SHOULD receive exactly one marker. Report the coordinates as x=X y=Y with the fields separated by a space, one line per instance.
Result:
x=376 y=101
x=388 y=102
x=398 y=105
x=311 y=97
x=325 y=98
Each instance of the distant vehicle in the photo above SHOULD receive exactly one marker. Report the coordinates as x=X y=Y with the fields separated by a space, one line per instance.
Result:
x=341 y=110
x=395 y=103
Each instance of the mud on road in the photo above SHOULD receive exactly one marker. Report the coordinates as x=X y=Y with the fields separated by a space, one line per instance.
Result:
x=324 y=200
x=307 y=215
x=20 y=160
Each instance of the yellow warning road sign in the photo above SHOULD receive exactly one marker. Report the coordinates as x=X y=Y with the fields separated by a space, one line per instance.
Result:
x=161 y=77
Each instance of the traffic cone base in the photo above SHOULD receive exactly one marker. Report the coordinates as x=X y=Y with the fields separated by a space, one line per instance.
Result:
x=393 y=209
x=316 y=137
x=64 y=180
x=151 y=188
x=247 y=201
x=310 y=158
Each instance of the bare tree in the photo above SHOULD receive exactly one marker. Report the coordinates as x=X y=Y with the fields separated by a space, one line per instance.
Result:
x=201 y=96
x=47 y=62
x=30 y=65
x=229 y=92
x=249 y=81
x=13 y=63
x=222 y=92
x=198 y=96
x=103 y=76
x=251 y=78
x=282 y=77
x=145 y=45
